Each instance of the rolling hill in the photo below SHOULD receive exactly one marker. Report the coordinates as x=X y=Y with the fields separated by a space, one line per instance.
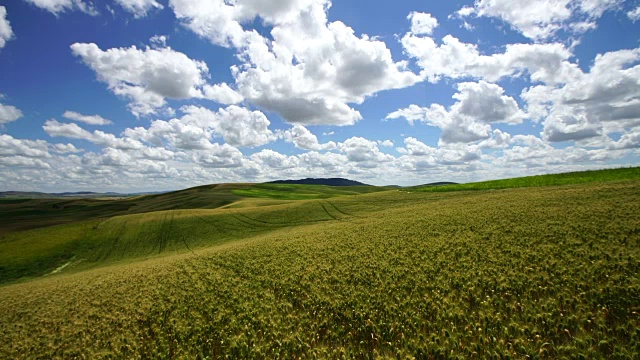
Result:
x=292 y=271
x=25 y=213
x=578 y=177
x=321 y=181
x=78 y=194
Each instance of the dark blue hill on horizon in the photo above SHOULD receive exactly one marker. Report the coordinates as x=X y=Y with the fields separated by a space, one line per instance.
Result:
x=320 y=181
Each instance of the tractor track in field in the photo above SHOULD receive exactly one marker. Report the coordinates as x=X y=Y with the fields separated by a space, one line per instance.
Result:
x=327 y=211
x=184 y=241
x=165 y=229
x=340 y=211
x=272 y=225
x=114 y=241
x=159 y=237
x=326 y=205
x=253 y=222
x=141 y=230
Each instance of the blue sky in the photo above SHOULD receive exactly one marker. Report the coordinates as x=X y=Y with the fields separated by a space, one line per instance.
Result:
x=148 y=95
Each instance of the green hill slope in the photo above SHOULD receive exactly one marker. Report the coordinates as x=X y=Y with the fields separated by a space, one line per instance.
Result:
x=538 y=272
x=580 y=177
x=304 y=192
x=87 y=244
x=24 y=214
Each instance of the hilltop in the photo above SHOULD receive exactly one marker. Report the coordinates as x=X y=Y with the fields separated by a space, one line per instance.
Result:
x=439 y=183
x=321 y=181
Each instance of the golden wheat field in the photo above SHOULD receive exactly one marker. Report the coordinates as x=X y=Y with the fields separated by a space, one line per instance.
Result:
x=549 y=272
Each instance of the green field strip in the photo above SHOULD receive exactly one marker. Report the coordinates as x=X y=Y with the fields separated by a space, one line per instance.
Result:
x=277 y=224
x=538 y=273
x=252 y=222
x=339 y=210
x=111 y=242
x=324 y=208
x=226 y=225
x=572 y=178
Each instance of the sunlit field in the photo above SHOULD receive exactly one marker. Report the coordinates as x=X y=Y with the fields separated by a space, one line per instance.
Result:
x=517 y=273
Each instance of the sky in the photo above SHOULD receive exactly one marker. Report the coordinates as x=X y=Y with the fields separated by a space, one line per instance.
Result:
x=155 y=95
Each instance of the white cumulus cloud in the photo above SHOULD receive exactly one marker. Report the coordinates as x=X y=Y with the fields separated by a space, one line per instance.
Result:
x=6 y=33
x=59 y=6
x=478 y=104
x=293 y=58
x=149 y=76
x=422 y=23
x=9 y=113
x=275 y=160
x=219 y=156
x=302 y=138
x=542 y=19
x=420 y=157
x=139 y=8
x=568 y=125
x=604 y=100
x=10 y=146
x=222 y=93
x=87 y=119
x=237 y=126
x=363 y=152
x=412 y=113
x=634 y=15
x=454 y=59
x=221 y=21
x=311 y=69
x=73 y=131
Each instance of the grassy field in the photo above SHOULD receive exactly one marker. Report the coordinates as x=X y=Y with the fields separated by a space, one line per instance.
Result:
x=304 y=192
x=581 y=177
x=548 y=272
x=85 y=244
x=24 y=214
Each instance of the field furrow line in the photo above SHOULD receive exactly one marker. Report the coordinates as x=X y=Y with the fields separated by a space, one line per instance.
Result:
x=249 y=221
x=327 y=211
x=114 y=241
x=160 y=237
x=339 y=210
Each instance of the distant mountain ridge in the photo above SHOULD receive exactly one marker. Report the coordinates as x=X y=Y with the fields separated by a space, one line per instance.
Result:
x=321 y=181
